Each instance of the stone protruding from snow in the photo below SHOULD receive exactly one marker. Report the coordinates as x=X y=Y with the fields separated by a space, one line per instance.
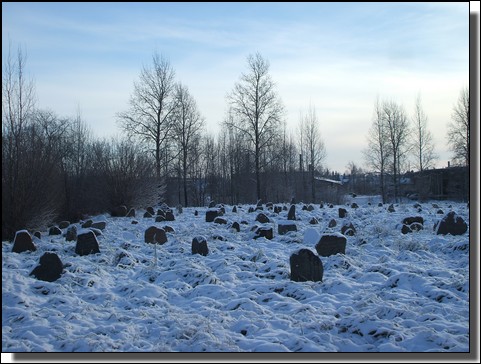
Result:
x=409 y=220
x=54 y=230
x=235 y=225
x=87 y=224
x=211 y=214
x=131 y=213
x=99 y=225
x=220 y=220
x=234 y=210
x=313 y=221
x=331 y=244
x=306 y=266
x=391 y=208
x=283 y=227
x=155 y=235
x=63 y=224
x=348 y=229
x=199 y=246
x=262 y=218
x=211 y=204
x=37 y=234
x=451 y=224
x=23 y=242
x=291 y=215
x=119 y=211
x=148 y=214
x=264 y=232
x=49 y=269
x=169 y=216
x=332 y=223
x=342 y=212
x=151 y=211
x=87 y=243
x=71 y=234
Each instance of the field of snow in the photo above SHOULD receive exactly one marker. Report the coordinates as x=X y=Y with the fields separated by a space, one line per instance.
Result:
x=389 y=292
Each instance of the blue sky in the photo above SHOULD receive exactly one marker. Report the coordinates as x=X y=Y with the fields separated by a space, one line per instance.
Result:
x=337 y=56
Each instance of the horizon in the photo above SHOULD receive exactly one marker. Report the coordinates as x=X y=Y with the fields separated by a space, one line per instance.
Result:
x=339 y=57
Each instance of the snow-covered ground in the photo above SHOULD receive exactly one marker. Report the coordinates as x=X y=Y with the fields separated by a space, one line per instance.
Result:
x=389 y=292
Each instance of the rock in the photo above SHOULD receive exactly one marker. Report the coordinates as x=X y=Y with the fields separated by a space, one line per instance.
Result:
x=391 y=208
x=99 y=225
x=71 y=234
x=87 y=224
x=169 y=216
x=134 y=222
x=262 y=218
x=440 y=212
x=235 y=225
x=37 y=234
x=23 y=242
x=148 y=214
x=313 y=221
x=151 y=211
x=331 y=244
x=234 y=209
x=196 y=213
x=168 y=229
x=131 y=213
x=264 y=232
x=348 y=229
x=291 y=215
x=119 y=211
x=49 y=269
x=451 y=224
x=211 y=214
x=211 y=204
x=87 y=244
x=310 y=208
x=332 y=223
x=159 y=218
x=342 y=213
x=155 y=235
x=54 y=230
x=306 y=266
x=406 y=229
x=354 y=205
x=284 y=227
x=63 y=224
x=199 y=246
x=220 y=220
x=277 y=209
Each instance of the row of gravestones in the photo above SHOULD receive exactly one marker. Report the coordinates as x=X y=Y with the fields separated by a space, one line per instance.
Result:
x=451 y=223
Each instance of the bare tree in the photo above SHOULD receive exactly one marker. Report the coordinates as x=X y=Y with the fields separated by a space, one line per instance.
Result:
x=377 y=152
x=423 y=147
x=151 y=107
x=187 y=125
x=257 y=109
x=458 y=129
x=313 y=144
x=398 y=138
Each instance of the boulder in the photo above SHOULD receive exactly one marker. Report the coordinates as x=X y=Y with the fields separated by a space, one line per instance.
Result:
x=220 y=220
x=71 y=234
x=291 y=215
x=87 y=243
x=262 y=218
x=211 y=214
x=331 y=244
x=348 y=229
x=131 y=213
x=99 y=225
x=23 y=242
x=235 y=225
x=264 y=232
x=49 y=269
x=119 y=211
x=284 y=227
x=199 y=246
x=63 y=224
x=451 y=224
x=342 y=213
x=306 y=266
x=54 y=230
x=155 y=235
x=169 y=216
x=332 y=223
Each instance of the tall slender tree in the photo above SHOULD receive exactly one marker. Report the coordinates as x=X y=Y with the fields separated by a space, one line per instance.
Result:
x=458 y=129
x=257 y=109
x=423 y=147
x=152 y=104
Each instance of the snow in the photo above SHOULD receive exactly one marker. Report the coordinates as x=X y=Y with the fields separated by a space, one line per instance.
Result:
x=390 y=292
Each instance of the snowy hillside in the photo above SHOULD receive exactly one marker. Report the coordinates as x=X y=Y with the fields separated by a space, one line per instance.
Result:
x=389 y=292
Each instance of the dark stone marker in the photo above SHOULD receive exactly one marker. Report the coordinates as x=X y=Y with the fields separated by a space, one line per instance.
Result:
x=99 y=225
x=151 y=211
x=199 y=246
x=169 y=216
x=451 y=224
x=37 y=234
x=262 y=218
x=54 y=230
x=63 y=224
x=50 y=268
x=342 y=213
x=87 y=244
x=306 y=266
x=168 y=229
x=391 y=208
x=148 y=214
x=264 y=232
x=71 y=234
x=234 y=209
x=410 y=220
x=283 y=229
x=23 y=242
x=211 y=204
x=220 y=220
x=332 y=223
x=291 y=215
x=131 y=213
x=87 y=224
x=235 y=225
x=210 y=215
x=159 y=218
x=331 y=244
x=154 y=235
x=313 y=221
x=354 y=205
x=349 y=229
x=119 y=211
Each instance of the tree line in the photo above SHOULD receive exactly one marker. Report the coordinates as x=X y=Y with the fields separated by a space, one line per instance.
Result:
x=53 y=167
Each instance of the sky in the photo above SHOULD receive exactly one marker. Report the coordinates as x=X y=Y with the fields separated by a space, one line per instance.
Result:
x=339 y=57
